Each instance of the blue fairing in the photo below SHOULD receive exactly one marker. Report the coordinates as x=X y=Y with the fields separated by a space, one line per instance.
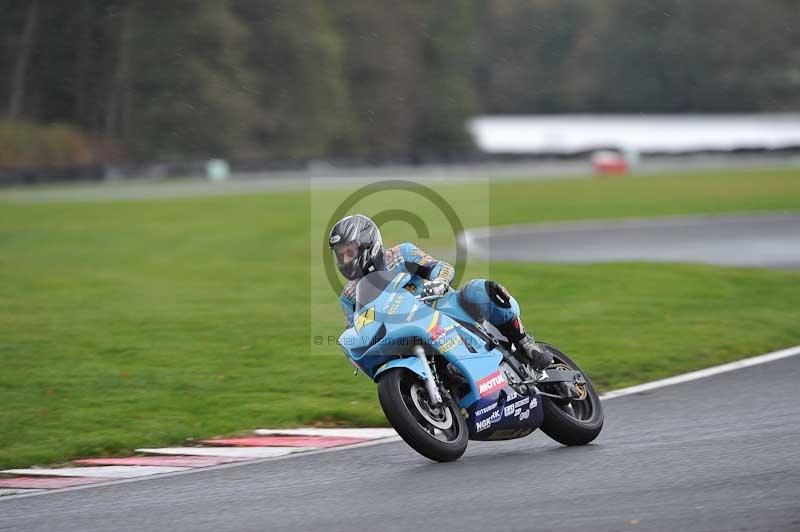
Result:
x=409 y=363
x=382 y=338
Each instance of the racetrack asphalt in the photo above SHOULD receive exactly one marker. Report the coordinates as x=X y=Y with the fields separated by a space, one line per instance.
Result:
x=756 y=240
x=718 y=453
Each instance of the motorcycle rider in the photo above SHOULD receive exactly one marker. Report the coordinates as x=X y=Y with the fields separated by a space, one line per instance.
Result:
x=358 y=249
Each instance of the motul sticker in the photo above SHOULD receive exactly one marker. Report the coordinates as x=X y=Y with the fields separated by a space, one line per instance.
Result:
x=492 y=383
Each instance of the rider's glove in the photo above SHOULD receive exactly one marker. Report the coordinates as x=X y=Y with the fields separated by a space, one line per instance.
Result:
x=436 y=287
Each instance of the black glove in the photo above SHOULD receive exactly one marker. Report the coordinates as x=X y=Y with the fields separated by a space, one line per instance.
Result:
x=436 y=287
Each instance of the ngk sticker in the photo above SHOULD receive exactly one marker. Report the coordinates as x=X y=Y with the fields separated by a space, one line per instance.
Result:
x=490 y=384
x=486 y=423
x=482 y=425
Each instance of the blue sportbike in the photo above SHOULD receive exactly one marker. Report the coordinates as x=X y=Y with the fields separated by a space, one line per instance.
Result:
x=445 y=378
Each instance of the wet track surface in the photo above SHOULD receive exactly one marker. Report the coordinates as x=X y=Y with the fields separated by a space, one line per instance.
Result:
x=715 y=454
x=767 y=240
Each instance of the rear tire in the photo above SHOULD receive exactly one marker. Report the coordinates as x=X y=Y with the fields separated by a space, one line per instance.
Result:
x=439 y=434
x=570 y=422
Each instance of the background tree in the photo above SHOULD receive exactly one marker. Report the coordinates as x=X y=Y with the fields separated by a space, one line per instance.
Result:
x=385 y=81
x=295 y=59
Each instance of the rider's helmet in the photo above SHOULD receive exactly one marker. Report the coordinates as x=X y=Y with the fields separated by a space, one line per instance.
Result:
x=357 y=246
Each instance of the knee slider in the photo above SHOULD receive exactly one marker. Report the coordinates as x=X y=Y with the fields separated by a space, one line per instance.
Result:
x=498 y=294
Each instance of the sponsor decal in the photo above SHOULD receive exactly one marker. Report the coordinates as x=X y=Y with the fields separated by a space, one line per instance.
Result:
x=389 y=300
x=486 y=409
x=392 y=257
x=436 y=330
x=449 y=344
x=412 y=312
x=420 y=257
x=486 y=423
x=482 y=424
x=447 y=272
x=522 y=402
x=364 y=318
x=490 y=384
x=349 y=290
x=518 y=409
x=335 y=239
x=396 y=305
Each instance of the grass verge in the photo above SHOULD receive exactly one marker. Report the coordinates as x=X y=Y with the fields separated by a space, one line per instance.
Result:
x=126 y=324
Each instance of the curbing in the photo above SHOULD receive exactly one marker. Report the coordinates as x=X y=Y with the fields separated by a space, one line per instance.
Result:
x=83 y=477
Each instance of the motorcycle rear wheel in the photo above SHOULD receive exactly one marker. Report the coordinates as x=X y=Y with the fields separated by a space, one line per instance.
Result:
x=576 y=422
x=439 y=433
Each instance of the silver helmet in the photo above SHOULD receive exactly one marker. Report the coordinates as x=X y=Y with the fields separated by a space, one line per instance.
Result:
x=356 y=245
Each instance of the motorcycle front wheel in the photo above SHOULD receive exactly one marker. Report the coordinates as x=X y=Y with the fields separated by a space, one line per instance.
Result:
x=436 y=432
x=576 y=421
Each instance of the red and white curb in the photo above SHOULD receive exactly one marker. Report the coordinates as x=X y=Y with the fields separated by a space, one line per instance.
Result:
x=266 y=443
x=366 y=434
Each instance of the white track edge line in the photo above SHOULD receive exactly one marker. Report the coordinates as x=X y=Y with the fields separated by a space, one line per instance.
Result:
x=707 y=372
x=686 y=377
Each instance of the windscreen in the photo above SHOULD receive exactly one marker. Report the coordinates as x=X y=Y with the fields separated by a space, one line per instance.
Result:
x=371 y=286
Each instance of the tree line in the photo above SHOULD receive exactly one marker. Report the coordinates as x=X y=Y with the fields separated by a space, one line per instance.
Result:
x=375 y=79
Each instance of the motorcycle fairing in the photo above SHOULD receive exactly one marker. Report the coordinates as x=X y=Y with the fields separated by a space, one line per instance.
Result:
x=385 y=327
x=504 y=415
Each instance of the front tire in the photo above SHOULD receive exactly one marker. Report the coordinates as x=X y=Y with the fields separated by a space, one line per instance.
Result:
x=439 y=433
x=575 y=422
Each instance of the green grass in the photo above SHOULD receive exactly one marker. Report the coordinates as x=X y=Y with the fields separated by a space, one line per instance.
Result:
x=126 y=324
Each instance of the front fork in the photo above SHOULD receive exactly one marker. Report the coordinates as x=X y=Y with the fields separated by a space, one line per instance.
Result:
x=430 y=382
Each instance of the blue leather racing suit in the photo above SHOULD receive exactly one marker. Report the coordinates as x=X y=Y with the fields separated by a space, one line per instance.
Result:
x=482 y=298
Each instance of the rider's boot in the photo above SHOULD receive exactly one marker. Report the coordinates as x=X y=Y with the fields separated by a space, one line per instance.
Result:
x=531 y=352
